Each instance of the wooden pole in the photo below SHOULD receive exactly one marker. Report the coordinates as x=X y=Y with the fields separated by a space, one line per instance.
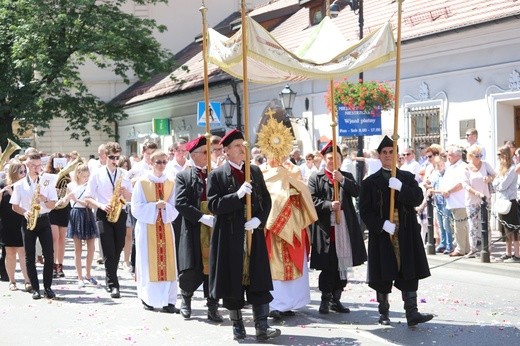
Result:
x=203 y=9
x=333 y=125
x=247 y=163
x=395 y=135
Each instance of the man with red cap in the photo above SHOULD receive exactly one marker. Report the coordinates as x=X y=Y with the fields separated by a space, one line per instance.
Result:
x=233 y=268
x=337 y=239
x=395 y=249
x=195 y=229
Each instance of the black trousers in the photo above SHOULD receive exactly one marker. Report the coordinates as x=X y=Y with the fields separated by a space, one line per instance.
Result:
x=43 y=232
x=254 y=298
x=112 y=243
x=329 y=280
x=401 y=284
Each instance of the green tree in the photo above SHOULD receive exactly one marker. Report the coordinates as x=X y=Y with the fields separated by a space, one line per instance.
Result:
x=43 y=43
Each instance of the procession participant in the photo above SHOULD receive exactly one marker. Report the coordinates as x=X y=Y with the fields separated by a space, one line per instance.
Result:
x=93 y=166
x=217 y=151
x=233 y=269
x=395 y=250
x=142 y=167
x=179 y=161
x=11 y=226
x=153 y=205
x=82 y=224
x=286 y=232
x=27 y=201
x=195 y=231
x=59 y=218
x=107 y=190
x=336 y=246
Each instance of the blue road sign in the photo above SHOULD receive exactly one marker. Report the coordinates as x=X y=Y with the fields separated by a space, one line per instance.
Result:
x=214 y=114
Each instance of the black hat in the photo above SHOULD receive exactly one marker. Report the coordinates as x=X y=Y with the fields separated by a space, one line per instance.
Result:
x=386 y=142
x=196 y=143
x=328 y=149
x=230 y=137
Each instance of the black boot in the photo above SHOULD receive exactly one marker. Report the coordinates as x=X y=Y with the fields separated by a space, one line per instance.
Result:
x=384 y=306
x=186 y=304
x=213 y=314
x=325 y=301
x=239 y=332
x=263 y=331
x=413 y=316
x=336 y=305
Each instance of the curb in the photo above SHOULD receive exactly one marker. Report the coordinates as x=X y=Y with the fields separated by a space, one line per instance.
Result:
x=473 y=264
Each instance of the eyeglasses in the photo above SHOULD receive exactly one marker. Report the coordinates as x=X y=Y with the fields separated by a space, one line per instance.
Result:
x=113 y=157
x=161 y=162
x=429 y=156
x=407 y=154
x=22 y=172
x=478 y=156
x=309 y=159
x=468 y=134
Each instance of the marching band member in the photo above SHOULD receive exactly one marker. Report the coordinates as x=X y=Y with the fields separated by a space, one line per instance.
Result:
x=107 y=190
x=195 y=232
x=153 y=205
x=35 y=207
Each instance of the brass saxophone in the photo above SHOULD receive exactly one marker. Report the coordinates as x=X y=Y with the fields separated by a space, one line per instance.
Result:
x=117 y=202
x=35 y=209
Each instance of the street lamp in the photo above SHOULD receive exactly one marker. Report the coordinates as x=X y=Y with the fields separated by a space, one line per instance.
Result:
x=287 y=96
x=338 y=5
x=228 y=107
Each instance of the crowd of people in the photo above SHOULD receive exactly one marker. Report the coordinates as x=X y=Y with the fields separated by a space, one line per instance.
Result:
x=248 y=233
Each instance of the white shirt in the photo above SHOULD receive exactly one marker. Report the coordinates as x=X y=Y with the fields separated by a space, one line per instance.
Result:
x=101 y=186
x=23 y=193
x=412 y=167
x=172 y=168
x=455 y=173
x=79 y=193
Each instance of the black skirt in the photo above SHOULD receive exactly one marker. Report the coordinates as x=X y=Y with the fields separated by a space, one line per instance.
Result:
x=60 y=217
x=82 y=224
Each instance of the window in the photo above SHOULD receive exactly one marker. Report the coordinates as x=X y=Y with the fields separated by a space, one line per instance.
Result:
x=425 y=125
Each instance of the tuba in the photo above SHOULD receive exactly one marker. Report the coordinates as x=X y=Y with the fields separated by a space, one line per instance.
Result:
x=64 y=180
x=8 y=151
x=116 y=201
x=35 y=209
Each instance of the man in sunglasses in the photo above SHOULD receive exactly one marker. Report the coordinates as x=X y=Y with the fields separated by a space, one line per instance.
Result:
x=410 y=164
x=106 y=189
x=195 y=230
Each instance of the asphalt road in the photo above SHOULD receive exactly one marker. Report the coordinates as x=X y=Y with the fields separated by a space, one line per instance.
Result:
x=473 y=303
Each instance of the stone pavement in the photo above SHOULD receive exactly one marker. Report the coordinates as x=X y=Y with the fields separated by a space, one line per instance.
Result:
x=88 y=316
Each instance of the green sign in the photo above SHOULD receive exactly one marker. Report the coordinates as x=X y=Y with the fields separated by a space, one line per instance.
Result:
x=161 y=126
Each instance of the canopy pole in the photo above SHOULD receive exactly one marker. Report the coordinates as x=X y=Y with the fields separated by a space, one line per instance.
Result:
x=247 y=163
x=203 y=9
x=395 y=136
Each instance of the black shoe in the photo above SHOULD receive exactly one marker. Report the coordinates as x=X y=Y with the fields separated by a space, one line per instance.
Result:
x=336 y=305
x=416 y=317
x=384 y=320
x=275 y=314
x=170 y=309
x=146 y=306
x=36 y=295
x=239 y=332
x=287 y=313
x=215 y=316
x=49 y=293
x=115 y=293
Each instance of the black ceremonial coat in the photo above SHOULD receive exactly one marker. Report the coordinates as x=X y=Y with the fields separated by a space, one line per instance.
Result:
x=322 y=192
x=227 y=241
x=189 y=189
x=374 y=205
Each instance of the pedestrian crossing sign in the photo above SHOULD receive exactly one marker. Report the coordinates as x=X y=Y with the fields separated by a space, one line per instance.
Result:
x=214 y=114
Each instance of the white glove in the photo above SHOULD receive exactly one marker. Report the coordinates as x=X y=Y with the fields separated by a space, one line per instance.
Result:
x=208 y=220
x=252 y=224
x=395 y=184
x=389 y=227
x=245 y=188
